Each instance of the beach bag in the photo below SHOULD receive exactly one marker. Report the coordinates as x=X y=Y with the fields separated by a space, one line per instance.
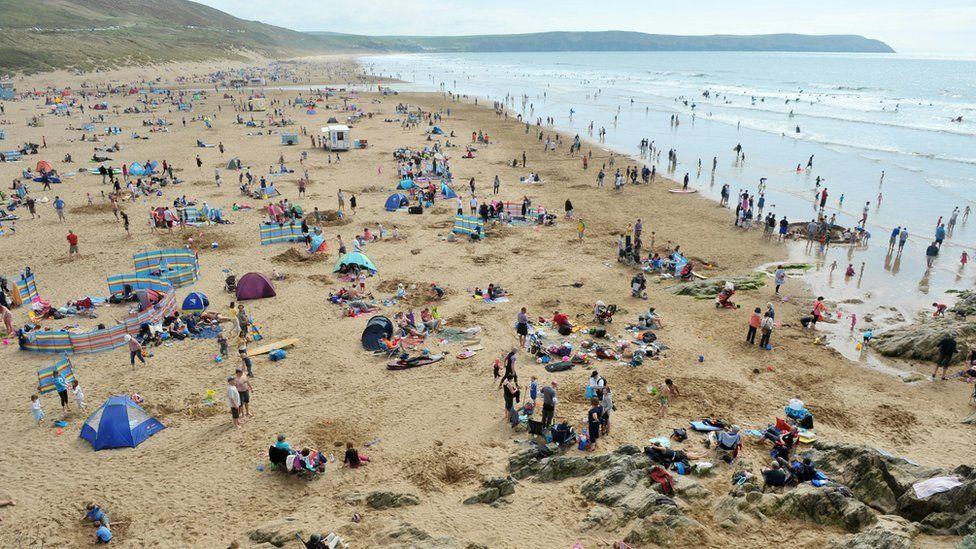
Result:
x=277 y=354
x=590 y=392
x=649 y=337
x=598 y=332
x=807 y=422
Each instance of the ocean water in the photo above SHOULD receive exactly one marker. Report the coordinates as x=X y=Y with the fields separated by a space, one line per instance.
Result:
x=858 y=114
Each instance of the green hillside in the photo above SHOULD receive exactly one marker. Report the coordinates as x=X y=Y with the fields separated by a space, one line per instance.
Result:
x=617 y=41
x=38 y=35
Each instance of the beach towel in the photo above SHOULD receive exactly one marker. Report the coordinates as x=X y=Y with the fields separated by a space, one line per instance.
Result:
x=935 y=485
x=701 y=426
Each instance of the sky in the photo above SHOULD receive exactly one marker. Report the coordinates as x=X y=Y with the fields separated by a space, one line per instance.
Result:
x=909 y=26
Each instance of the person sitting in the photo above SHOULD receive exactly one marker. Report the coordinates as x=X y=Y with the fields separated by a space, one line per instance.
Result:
x=102 y=533
x=804 y=471
x=436 y=292
x=728 y=443
x=282 y=444
x=775 y=476
x=353 y=459
x=430 y=324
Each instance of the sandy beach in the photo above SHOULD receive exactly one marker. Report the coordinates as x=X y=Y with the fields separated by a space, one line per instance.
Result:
x=436 y=431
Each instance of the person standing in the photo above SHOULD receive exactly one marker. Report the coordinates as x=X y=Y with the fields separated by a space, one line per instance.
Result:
x=242 y=352
x=244 y=388
x=61 y=386
x=930 y=254
x=779 y=277
x=496 y=185
x=243 y=322
x=342 y=200
x=902 y=238
x=593 y=419
x=548 y=404
x=72 y=239
x=135 y=350
x=947 y=348
x=352 y=202
x=522 y=326
x=894 y=238
x=581 y=229
x=766 y=329
x=511 y=394
x=234 y=401
x=607 y=405
x=37 y=409
x=754 y=321
x=59 y=207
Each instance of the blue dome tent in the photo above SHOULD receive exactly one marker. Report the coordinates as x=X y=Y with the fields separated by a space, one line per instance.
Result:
x=377 y=328
x=396 y=201
x=406 y=184
x=447 y=191
x=355 y=258
x=195 y=302
x=119 y=423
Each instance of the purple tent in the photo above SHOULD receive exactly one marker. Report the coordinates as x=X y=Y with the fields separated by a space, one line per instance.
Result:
x=254 y=286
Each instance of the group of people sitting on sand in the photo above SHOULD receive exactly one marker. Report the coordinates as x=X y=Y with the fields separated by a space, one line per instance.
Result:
x=309 y=461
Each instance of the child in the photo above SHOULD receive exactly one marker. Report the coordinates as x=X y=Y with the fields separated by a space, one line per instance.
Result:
x=37 y=409
x=940 y=309
x=853 y=321
x=669 y=391
x=964 y=259
x=754 y=322
x=497 y=369
x=222 y=343
x=79 y=396
x=533 y=389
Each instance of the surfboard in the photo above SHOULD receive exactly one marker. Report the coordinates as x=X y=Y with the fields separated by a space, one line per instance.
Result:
x=268 y=347
x=683 y=191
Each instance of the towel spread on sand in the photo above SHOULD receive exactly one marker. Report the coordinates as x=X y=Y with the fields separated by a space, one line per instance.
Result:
x=935 y=485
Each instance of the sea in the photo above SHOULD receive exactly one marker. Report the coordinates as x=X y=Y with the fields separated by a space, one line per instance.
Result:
x=857 y=115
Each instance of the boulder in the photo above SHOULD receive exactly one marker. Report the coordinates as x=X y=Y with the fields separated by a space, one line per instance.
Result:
x=492 y=489
x=666 y=527
x=891 y=532
x=597 y=516
x=690 y=489
x=404 y=535
x=920 y=340
x=276 y=532
x=970 y=419
x=827 y=506
x=386 y=500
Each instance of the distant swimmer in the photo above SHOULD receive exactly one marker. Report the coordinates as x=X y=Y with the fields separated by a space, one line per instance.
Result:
x=956 y=119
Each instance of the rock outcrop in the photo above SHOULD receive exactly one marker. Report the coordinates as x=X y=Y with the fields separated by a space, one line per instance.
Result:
x=388 y=500
x=276 y=532
x=492 y=489
x=708 y=289
x=404 y=535
x=920 y=340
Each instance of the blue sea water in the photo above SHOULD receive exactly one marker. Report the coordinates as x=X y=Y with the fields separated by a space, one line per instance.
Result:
x=858 y=114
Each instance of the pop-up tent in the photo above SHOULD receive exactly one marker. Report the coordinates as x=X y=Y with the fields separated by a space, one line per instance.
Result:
x=43 y=167
x=317 y=244
x=234 y=164
x=138 y=169
x=397 y=201
x=354 y=258
x=195 y=302
x=378 y=328
x=437 y=131
x=119 y=423
x=148 y=298
x=406 y=184
x=254 y=286
x=447 y=192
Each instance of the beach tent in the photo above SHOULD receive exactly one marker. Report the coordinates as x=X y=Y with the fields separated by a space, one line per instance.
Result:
x=355 y=258
x=396 y=201
x=119 y=423
x=195 y=302
x=234 y=164
x=138 y=169
x=289 y=138
x=437 y=131
x=378 y=328
x=317 y=244
x=447 y=192
x=254 y=286
x=406 y=184
x=43 y=167
x=148 y=298
x=331 y=120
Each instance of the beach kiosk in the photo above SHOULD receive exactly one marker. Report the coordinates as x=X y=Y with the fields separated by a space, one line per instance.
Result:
x=336 y=137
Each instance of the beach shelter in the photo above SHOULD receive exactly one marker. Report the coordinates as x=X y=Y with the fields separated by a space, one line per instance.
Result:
x=119 y=423
x=234 y=164
x=332 y=120
x=396 y=201
x=148 y=298
x=437 y=131
x=354 y=258
x=254 y=286
x=44 y=166
x=377 y=329
x=195 y=302
x=289 y=138
x=447 y=191
x=406 y=184
x=317 y=244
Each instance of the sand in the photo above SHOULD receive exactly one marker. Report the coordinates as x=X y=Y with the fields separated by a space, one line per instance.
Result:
x=440 y=428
